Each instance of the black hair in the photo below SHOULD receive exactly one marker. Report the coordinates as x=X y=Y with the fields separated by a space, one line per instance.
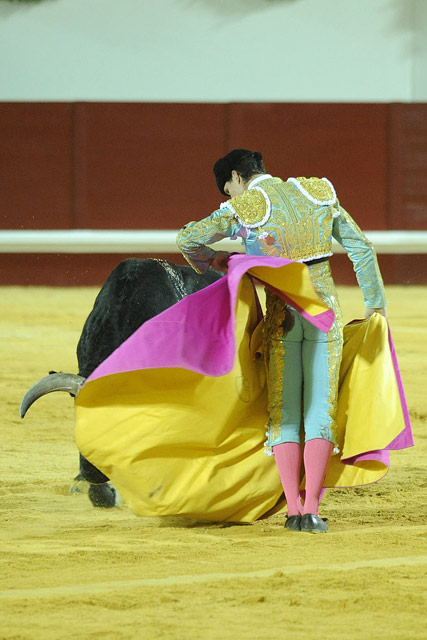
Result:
x=246 y=163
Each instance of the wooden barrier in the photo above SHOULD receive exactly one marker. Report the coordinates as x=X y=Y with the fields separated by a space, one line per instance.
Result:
x=149 y=166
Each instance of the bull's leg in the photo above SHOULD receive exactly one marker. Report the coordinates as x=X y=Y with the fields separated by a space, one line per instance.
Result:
x=91 y=473
x=101 y=492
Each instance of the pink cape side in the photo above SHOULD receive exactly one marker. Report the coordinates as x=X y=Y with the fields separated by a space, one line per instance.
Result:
x=197 y=333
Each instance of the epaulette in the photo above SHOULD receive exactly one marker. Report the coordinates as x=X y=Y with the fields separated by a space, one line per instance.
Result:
x=318 y=190
x=252 y=209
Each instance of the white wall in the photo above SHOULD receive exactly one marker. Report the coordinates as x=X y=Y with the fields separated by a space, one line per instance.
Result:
x=420 y=51
x=212 y=50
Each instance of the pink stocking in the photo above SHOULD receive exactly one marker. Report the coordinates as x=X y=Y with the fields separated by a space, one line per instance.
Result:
x=288 y=461
x=317 y=454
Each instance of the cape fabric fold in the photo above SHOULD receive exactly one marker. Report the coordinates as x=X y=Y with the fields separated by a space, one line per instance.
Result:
x=176 y=416
x=197 y=333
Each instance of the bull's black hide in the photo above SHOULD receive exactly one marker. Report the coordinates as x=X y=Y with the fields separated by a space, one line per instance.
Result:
x=135 y=291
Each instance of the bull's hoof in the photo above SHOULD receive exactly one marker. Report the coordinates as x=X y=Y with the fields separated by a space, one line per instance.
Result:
x=104 y=495
x=79 y=485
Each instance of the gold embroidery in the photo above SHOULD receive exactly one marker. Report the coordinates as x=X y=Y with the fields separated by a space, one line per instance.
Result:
x=317 y=188
x=250 y=207
x=275 y=315
x=334 y=361
x=325 y=288
x=196 y=233
x=274 y=348
x=300 y=230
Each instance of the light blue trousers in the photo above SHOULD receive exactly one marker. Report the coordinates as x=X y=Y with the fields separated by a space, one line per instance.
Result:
x=303 y=370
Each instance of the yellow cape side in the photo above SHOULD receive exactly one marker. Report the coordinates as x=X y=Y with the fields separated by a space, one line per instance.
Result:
x=177 y=442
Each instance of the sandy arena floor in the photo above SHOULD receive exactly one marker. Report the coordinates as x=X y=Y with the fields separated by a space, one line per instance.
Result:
x=75 y=572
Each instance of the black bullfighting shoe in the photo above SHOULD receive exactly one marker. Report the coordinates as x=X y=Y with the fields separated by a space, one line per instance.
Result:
x=293 y=523
x=313 y=524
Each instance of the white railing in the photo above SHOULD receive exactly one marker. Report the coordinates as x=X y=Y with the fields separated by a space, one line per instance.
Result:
x=120 y=241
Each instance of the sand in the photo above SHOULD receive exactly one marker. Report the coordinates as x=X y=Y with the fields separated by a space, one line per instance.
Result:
x=72 y=571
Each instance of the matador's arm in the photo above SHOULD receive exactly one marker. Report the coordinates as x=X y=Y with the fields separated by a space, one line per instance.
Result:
x=364 y=259
x=192 y=240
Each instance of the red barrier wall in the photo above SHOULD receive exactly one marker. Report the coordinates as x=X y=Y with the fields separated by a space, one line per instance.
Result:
x=36 y=165
x=149 y=166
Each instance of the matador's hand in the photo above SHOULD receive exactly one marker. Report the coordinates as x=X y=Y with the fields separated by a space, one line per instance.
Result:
x=369 y=312
x=220 y=261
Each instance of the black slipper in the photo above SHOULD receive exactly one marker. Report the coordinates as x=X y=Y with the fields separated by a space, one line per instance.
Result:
x=293 y=523
x=313 y=524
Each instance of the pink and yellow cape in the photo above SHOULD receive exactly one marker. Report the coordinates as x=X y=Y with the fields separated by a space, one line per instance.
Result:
x=176 y=416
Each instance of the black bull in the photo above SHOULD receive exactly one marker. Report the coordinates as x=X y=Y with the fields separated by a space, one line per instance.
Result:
x=135 y=291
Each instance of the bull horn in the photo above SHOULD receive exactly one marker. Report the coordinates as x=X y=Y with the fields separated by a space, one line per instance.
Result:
x=69 y=382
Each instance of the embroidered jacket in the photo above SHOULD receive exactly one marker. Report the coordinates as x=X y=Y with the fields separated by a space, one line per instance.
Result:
x=296 y=219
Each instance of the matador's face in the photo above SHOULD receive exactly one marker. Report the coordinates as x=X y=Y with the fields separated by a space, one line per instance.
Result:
x=235 y=186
